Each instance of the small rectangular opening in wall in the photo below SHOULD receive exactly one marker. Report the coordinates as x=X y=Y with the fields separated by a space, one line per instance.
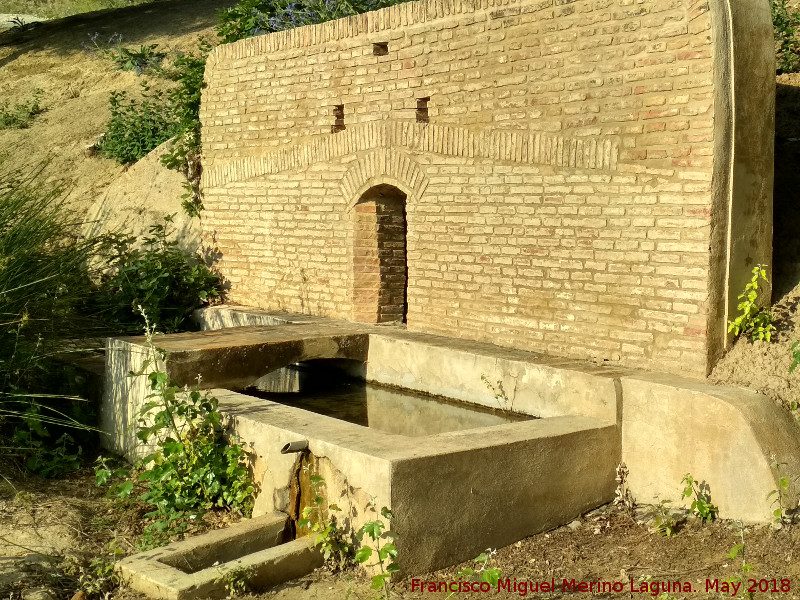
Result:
x=338 y=118
x=422 y=110
x=380 y=48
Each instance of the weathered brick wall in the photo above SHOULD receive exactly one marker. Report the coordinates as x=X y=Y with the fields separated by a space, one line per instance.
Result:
x=563 y=196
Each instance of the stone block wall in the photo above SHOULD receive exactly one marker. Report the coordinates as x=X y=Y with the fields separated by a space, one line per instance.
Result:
x=587 y=178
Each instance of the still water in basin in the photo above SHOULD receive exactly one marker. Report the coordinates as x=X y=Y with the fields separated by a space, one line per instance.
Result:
x=391 y=410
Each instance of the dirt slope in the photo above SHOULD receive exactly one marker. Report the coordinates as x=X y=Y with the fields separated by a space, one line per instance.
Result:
x=76 y=87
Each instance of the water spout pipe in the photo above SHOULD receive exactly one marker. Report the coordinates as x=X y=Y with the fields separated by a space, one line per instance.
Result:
x=296 y=446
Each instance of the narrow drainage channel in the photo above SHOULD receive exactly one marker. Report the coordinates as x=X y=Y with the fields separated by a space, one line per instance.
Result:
x=300 y=491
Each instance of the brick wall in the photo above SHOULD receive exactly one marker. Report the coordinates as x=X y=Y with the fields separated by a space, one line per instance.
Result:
x=561 y=190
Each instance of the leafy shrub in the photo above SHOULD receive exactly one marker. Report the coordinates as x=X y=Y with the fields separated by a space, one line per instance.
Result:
x=20 y=115
x=167 y=282
x=193 y=468
x=755 y=321
x=787 y=47
x=137 y=126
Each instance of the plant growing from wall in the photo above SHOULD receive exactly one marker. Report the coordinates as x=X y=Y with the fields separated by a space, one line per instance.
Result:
x=235 y=580
x=501 y=397
x=385 y=552
x=336 y=551
x=194 y=467
x=755 y=321
x=183 y=154
x=701 y=506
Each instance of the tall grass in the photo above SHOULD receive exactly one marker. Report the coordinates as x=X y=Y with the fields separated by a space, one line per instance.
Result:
x=44 y=286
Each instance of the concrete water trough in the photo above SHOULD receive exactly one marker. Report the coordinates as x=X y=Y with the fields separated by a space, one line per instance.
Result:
x=455 y=490
x=254 y=549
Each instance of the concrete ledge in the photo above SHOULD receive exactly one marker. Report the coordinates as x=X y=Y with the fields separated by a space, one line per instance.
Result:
x=190 y=569
x=535 y=384
x=721 y=435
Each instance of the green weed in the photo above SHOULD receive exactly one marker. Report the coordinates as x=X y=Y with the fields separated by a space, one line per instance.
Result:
x=780 y=500
x=385 y=552
x=755 y=321
x=701 y=506
x=743 y=572
x=665 y=520
x=235 y=580
x=45 y=288
x=336 y=551
x=482 y=571
x=21 y=115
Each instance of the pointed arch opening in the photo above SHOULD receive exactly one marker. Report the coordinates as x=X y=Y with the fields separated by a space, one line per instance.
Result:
x=380 y=268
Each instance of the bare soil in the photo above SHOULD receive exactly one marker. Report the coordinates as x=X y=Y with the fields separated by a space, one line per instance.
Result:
x=76 y=86
x=45 y=526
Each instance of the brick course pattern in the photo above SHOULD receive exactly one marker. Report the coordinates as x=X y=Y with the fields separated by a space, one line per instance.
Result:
x=561 y=193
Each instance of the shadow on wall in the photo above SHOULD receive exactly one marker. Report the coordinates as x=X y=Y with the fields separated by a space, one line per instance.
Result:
x=786 y=241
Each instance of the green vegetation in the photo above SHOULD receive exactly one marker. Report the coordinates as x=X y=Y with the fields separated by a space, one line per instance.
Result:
x=665 y=520
x=781 y=514
x=787 y=46
x=193 y=468
x=44 y=291
x=336 y=552
x=482 y=571
x=755 y=321
x=701 y=506
x=385 y=552
x=21 y=115
x=145 y=59
x=50 y=301
x=137 y=126
x=159 y=277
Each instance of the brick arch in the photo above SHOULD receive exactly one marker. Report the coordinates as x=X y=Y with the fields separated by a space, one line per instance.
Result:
x=380 y=268
x=383 y=166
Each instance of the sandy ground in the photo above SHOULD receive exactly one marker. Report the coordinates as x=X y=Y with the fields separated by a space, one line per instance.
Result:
x=7 y=20
x=76 y=87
